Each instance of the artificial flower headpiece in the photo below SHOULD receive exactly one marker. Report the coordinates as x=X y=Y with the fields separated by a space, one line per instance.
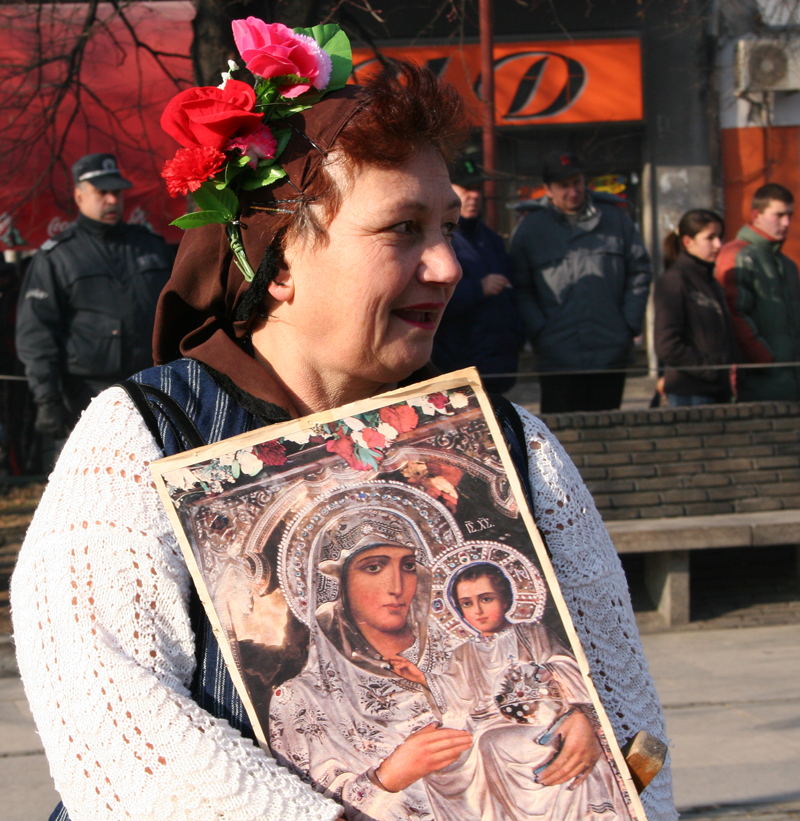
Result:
x=233 y=135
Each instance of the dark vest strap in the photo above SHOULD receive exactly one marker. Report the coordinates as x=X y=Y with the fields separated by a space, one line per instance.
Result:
x=148 y=399
x=514 y=434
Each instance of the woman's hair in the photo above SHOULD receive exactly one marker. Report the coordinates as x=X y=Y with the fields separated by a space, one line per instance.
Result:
x=691 y=224
x=500 y=582
x=406 y=108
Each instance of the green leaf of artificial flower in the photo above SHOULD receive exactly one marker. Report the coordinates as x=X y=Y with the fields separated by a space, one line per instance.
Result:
x=233 y=168
x=236 y=469
x=286 y=110
x=282 y=137
x=331 y=38
x=198 y=218
x=263 y=177
x=289 y=79
x=209 y=198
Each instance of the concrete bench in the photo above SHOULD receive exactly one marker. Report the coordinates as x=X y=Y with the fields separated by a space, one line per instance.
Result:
x=668 y=481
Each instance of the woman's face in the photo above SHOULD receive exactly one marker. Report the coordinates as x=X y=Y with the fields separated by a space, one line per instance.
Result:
x=705 y=244
x=380 y=584
x=483 y=607
x=364 y=307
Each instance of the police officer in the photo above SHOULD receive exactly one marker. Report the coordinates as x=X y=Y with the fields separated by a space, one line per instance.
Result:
x=87 y=304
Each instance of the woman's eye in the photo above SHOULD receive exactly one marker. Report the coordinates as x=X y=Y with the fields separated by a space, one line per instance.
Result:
x=406 y=227
x=487 y=599
x=375 y=567
x=410 y=567
x=449 y=228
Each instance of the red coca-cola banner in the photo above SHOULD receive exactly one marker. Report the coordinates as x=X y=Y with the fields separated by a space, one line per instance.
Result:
x=113 y=106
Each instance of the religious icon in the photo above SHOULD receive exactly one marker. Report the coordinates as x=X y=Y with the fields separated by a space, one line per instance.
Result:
x=389 y=615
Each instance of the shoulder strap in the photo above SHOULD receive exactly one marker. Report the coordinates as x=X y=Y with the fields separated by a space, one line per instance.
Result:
x=148 y=399
x=514 y=434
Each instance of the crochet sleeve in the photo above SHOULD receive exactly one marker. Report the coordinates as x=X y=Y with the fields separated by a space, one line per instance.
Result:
x=106 y=651
x=593 y=584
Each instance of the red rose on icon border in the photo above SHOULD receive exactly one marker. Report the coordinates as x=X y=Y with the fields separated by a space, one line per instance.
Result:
x=209 y=116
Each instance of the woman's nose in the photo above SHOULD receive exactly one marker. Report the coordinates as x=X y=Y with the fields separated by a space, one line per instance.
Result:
x=439 y=265
x=394 y=581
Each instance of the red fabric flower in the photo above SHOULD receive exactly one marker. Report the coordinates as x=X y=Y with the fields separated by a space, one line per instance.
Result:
x=209 y=116
x=438 y=400
x=343 y=446
x=401 y=417
x=271 y=453
x=373 y=438
x=190 y=168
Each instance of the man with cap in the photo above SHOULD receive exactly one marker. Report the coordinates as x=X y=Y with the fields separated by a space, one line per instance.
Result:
x=87 y=304
x=481 y=325
x=582 y=277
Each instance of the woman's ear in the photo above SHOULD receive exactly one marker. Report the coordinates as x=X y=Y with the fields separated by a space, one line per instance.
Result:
x=685 y=241
x=281 y=289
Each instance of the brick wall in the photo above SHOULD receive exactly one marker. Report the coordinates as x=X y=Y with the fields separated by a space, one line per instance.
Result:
x=687 y=462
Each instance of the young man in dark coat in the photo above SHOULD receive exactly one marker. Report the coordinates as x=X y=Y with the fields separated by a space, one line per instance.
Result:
x=480 y=326
x=87 y=304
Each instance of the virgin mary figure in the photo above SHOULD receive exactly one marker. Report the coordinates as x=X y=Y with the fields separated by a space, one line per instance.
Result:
x=361 y=730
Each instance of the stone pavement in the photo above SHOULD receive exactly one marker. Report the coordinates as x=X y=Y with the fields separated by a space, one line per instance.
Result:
x=732 y=705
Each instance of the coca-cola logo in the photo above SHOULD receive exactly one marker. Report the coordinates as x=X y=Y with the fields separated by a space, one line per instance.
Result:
x=56 y=226
x=546 y=84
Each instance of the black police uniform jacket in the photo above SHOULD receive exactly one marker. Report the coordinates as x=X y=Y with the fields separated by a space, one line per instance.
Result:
x=87 y=308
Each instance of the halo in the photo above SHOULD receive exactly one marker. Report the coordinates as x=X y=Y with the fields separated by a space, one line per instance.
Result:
x=304 y=546
x=527 y=585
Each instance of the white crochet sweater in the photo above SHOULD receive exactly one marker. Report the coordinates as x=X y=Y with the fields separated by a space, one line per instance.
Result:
x=99 y=602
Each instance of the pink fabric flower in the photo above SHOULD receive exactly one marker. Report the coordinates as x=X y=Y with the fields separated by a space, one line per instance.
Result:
x=190 y=168
x=274 y=50
x=257 y=145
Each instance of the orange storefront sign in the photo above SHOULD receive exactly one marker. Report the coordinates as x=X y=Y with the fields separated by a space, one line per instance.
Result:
x=584 y=81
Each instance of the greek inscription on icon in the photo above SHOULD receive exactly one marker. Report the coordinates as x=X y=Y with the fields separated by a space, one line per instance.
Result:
x=478 y=525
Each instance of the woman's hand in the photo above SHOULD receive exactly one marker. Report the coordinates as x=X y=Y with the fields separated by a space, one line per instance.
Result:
x=423 y=752
x=579 y=752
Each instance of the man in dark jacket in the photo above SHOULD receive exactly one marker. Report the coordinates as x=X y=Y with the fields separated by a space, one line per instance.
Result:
x=480 y=326
x=762 y=287
x=581 y=277
x=87 y=304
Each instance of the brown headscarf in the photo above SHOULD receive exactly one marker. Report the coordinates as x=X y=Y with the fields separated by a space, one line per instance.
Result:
x=196 y=313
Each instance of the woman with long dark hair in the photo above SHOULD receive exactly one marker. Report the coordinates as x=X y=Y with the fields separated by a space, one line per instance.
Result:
x=693 y=331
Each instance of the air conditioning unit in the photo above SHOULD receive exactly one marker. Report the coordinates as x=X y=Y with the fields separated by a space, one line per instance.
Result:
x=767 y=65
